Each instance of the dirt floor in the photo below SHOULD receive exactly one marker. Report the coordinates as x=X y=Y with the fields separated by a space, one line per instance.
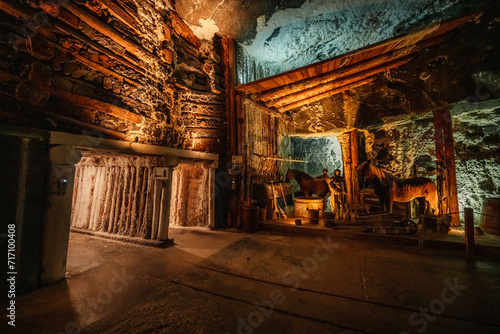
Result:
x=231 y=282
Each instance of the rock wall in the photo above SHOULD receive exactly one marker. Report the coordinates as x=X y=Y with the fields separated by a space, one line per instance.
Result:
x=315 y=30
x=263 y=134
x=319 y=153
x=126 y=69
x=408 y=148
x=190 y=195
x=114 y=193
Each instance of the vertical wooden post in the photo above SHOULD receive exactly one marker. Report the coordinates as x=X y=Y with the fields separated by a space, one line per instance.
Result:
x=469 y=231
x=445 y=160
x=228 y=51
x=449 y=152
x=346 y=156
x=211 y=198
x=442 y=189
x=354 y=166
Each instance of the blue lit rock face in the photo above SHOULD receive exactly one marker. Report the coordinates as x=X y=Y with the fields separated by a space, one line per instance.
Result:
x=321 y=29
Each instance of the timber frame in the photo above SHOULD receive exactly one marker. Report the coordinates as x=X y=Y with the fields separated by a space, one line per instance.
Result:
x=280 y=94
x=284 y=92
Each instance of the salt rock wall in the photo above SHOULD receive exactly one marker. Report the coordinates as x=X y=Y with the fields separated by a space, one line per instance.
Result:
x=190 y=195
x=319 y=153
x=119 y=68
x=476 y=129
x=408 y=148
x=402 y=147
x=113 y=193
x=321 y=29
x=326 y=115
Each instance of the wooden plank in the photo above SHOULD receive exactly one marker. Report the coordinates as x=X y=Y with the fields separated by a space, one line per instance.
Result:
x=228 y=56
x=325 y=78
x=449 y=152
x=304 y=73
x=306 y=93
x=311 y=72
x=280 y=81
x=469 y=231
x=386 y=46
x=104 y=29
x=120 y=13
x=325 y=95
x=363 y=65
x=97 y=105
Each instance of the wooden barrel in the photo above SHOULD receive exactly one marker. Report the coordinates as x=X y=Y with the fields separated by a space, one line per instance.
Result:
x=262 y=214
x=304 y=204
x=490 y=220
x=313 y=216
x=329 y=219
x=250 y=218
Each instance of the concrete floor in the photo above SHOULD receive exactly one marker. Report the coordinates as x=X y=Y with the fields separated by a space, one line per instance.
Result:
x=231 y=282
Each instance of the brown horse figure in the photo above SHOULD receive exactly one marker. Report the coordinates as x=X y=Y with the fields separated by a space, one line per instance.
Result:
x=308 y=184
x=390 y=189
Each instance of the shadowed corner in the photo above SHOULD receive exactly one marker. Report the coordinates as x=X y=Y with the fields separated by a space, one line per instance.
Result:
x=47 y=310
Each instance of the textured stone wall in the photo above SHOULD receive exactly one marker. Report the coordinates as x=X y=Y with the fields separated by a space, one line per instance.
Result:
x=114 y=193
x=263 y=134
x=126 y=69
x=319 y=153
x=190 y=195
x=406 y=148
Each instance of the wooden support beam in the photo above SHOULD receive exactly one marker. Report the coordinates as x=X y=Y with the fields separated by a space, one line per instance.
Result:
x=16 y=11
x=104 y=29
x=445 y=160
x=125 y=60
x=449 y=152
x=326 y=94
x=86 y=125
x=442 y=189
x=469 y=231
x=228 y=56
x=101 y=106
x=334 y=84
x=347 y=160
x=274 y=112
x=268 y=95
x=95 y=66
x=67 y=26
x=120 y=13
x=354 y=167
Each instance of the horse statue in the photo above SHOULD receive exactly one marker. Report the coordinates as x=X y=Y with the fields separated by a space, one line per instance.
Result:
x=390 y=189
x=308 y=184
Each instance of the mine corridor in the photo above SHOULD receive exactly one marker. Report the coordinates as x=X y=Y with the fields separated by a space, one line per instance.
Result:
x=250 y=166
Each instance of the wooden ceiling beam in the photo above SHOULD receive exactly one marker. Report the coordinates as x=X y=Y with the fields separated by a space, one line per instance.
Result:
x=321 y=88
x=326 y=94
x=409 y=40
x=275 y=112
x=283 y=91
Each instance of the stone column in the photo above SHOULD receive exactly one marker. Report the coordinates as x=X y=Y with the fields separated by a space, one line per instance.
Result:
x=57 y=218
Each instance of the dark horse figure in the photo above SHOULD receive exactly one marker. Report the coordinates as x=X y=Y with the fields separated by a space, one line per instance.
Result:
x=308 y=184
x=390 y=189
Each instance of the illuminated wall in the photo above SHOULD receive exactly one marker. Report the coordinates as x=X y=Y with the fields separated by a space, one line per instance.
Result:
x=320 y=29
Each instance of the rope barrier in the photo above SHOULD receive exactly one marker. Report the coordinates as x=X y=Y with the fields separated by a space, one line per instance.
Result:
x=476 y=213
x=483 y=214
x=454 y=213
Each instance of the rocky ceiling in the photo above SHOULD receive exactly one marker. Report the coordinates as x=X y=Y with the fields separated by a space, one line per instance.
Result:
x=278 y=35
